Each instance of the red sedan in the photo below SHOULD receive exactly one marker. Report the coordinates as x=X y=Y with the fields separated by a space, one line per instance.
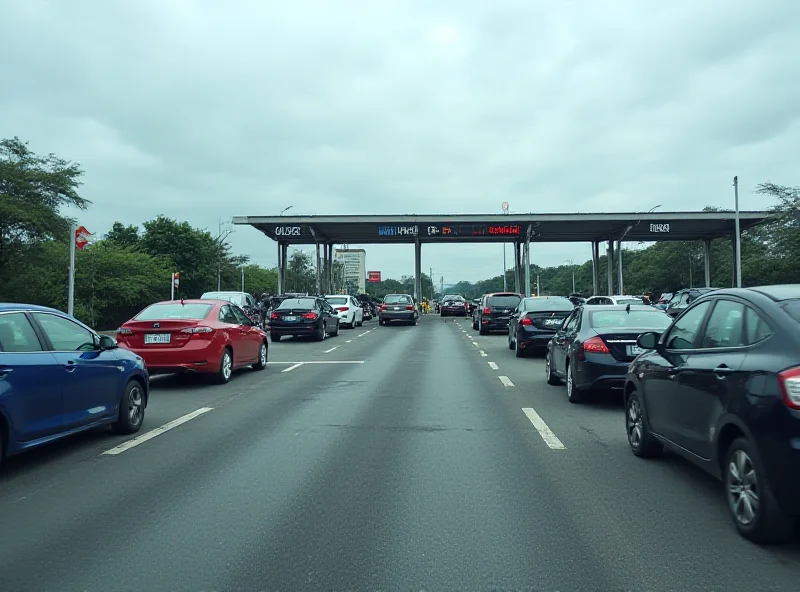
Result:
x=205 y=336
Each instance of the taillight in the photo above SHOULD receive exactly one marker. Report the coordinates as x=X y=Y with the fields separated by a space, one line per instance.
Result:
x=383 y=307
x=487 y=311
x=124 y=331
x=196 y=330
x=274 y=315
x=526 y=321
x=310 y=315
x=409 y=307
x=595 y=345
x=343 y=308
x=789 y=381
x=466 y=305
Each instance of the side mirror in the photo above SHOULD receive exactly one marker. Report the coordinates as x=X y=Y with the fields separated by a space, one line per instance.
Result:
x=107 y=342
x=648 y=340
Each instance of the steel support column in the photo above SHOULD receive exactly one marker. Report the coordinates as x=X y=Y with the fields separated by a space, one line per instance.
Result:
x=610 y=262
x=517 y=268
x=707 y=262
x=329 y=268
x=418 y=271
x=620 y=283
x=527 y=263
x=283 y=253
x=318 y=265
x=595 y=268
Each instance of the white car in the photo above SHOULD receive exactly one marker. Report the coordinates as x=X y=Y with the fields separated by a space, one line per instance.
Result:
x=594 y=300
x=348 y=308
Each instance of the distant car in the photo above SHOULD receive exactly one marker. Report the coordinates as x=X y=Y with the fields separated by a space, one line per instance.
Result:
x=721 y=387
x=398 y=308
x=494 y=312
x=612 y=300
x=592 y=349
x=681 y=300
x=304 y=316
x=454 y=306
x=212 y=337
x=350 y=311
x=535 y=321
x=59 y=377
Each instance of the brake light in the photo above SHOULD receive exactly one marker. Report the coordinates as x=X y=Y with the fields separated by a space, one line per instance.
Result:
x=466 y=305
x=409 y=307
x=124 y=331
x=274 y=315
x=310 y=315
x=789 y=381
x=595 y=345
x=487 y=311
x=383 y=307
x=526 y=321
x=343 y=308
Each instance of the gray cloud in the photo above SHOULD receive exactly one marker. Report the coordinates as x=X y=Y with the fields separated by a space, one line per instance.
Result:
x=205 y=110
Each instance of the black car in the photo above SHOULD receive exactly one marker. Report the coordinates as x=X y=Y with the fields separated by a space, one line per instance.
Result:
x=398 y=308
x=681 y=300
x=721 y=387
x=473 y=304
x=592 y=349
x=454 y=306
x=303 y=316
x=535 y=322
x=494 y=312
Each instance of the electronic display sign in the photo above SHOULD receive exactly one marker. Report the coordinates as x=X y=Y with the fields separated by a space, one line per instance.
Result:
x=464 y=230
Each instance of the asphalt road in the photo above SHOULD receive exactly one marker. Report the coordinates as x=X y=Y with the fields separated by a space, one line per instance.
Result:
x=394 y=458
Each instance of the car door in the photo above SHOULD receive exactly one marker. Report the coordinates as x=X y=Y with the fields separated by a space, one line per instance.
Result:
x=333 y=317
x=250 y=336
x=558 y=360
x=232 y=327
x=709 y=377
x=661 y=391
x=30 y=380
x=513 y=320
x=92 y=379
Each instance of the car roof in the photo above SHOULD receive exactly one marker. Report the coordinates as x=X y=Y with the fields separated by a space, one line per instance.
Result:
x=6 y=306
x=777 y=292
x=398 y=294
x=211 y=301
x=623 y=307
x=503 y=294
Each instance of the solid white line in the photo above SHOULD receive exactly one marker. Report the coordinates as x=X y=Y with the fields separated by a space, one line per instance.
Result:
x=506 y=381
x=544 y=430
x=157 y=432
x=295 y=364
x=493 y=366
x=290 y=368
x=327 y=351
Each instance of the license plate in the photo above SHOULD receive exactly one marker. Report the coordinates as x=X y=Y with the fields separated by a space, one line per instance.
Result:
x=396 y=308
x=634 y=350
x=156 y=338
x=552 y=321
x=289 y=318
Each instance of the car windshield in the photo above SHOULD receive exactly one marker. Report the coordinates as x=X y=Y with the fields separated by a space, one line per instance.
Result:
x=509 y=301
x=537 y=304
x=397 y=299
x=338 y=300
x=174 y=310
x=301 y=303
x=655 y=319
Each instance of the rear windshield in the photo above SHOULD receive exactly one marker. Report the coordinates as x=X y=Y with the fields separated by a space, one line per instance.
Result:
x=397 y=299
x=536 y=304
x=640 y=319
x=509 y=301
x=629 y=301
x=792 y=308
x=302 y=303
x=174 y=310
x=454 y=299
x=337 y=300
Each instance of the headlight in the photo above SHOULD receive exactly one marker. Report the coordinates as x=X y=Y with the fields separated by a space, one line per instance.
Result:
x=139 y=362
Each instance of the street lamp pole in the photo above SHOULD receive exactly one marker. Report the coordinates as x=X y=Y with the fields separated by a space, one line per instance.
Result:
x=572 y=264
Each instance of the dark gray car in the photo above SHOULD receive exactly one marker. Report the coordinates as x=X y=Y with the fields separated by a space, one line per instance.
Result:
x=398 y=308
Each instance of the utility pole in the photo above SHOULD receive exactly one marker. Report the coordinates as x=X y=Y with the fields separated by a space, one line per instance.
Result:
x=738 y=261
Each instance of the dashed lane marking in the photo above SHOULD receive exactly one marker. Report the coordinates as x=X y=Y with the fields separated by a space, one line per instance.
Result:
x=475 y=344
x=506 y=381
x=484 y=354
x=493 y=366
x=157 y=432
x=544 y=430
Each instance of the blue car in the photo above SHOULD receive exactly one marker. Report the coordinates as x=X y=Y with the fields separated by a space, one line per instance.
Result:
x=58 y=377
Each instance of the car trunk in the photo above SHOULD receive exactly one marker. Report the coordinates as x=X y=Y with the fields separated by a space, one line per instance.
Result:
x=292 y=316
x=548 y=320
x=157 y=334
x=499 y=308
x=621 y=343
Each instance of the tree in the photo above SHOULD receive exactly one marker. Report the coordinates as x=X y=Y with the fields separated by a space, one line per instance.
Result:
x=33 y=190
x=301 y=276
x=124 y=236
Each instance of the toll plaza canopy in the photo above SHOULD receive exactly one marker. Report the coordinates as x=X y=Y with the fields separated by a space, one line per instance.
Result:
x=519 y=229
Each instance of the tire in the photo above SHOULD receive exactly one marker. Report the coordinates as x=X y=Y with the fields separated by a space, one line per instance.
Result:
x=381 y=322
x=474 y=325
x=641 y=441
x=131 y=409
x=263 y=351
x=338 y=326
x=552 y=379
x=361 y=322
x=225 y=371
x=573 y=394
x=322 y=333
x=511 y=343
x=275 y=336
x=768 y=524
x=518 y=353
x=481 y=330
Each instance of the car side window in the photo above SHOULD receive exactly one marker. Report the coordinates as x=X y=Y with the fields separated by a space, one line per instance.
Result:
x=725 y=326
x=65 y=335
x=241 y=318
x=17 y=334
x=570 y=323
x=226 y=315
x=683 y=333
x=755 y=328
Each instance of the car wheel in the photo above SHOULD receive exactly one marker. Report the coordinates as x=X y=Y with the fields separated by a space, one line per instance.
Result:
x=131 y=409
x=548 y=370
x=481 y=330
x=641 y=441
x=225 y=367
x=336 y=333
x=275 y=336
x=518 y=351
x=361 y=323
x=321 y=333
x=573 y=394
x=752 y=505
x=262 y=357
x=511 y=343
x=474 y=325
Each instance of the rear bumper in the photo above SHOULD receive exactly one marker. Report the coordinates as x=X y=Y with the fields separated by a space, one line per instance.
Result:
x=295 y=329
x=456 y=312
x=398 y=315
x=490 y=324
x=171 y=361
x=537 y=341
x=601 y=372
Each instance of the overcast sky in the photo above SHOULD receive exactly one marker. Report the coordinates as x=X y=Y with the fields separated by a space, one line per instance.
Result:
x=202 y=110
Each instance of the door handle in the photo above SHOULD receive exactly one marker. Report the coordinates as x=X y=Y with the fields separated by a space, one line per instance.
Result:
x=722 y=371
x=70 y=366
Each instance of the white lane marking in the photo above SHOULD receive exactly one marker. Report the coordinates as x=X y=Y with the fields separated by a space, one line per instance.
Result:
x=469 y=337
x=544 y=430
x=506 y=381
x=364 y=333
x=483 y=353
x=348 y=341
x=493 y=366
x=290 y=368
x=475 y=344
x=327 y=351
x=295 y=364
x=157 y=432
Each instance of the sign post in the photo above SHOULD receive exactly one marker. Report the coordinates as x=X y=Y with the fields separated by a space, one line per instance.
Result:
x=79 y=237
x=176 y=281
x=374 y=277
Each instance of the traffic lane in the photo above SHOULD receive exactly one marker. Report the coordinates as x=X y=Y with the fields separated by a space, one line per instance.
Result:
x=401 y=474
x=637 y=500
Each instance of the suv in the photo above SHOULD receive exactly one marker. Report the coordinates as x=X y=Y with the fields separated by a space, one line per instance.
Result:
x=494 y=311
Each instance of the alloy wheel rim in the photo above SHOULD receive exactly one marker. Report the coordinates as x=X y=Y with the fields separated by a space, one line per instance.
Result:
x=263 y=354
x=569 y=382
x=226 y=365
x=135 y=406
x=635 y=425
x=742 y=488
x=547 y=367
